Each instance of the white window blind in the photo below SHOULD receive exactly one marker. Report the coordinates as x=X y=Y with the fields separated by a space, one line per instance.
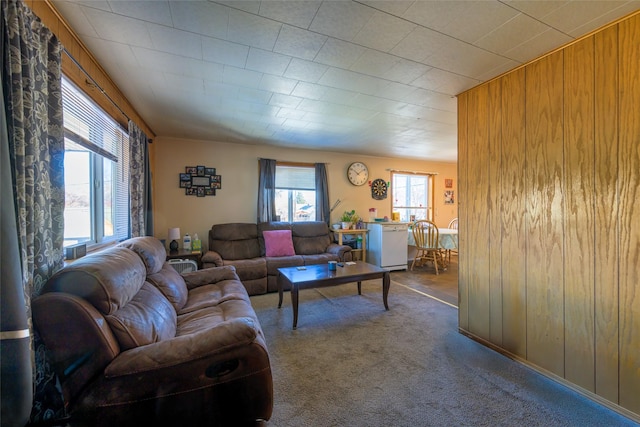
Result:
x=295 y=178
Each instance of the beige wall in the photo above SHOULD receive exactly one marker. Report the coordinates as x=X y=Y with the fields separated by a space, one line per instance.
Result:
x=549 y=172
x=238 y=165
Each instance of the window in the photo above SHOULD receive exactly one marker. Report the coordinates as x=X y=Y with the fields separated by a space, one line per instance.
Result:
x=412 y=195
x=295 y=193
x=96 y=164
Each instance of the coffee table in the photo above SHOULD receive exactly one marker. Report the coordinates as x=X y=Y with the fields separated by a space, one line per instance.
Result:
x=319 y=276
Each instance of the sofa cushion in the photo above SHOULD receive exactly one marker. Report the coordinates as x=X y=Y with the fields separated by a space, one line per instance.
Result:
x=310 y=237
x=149 y=317
x=278 y=243
x=274 y=263
x=171 y=284
x=213 y=294
x=108 y=279
x=235 y=241
x=150 y=250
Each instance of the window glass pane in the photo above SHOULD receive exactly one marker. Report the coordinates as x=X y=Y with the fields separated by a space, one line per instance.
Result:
x=77 y=188
x=295 y=193
x=410 y=196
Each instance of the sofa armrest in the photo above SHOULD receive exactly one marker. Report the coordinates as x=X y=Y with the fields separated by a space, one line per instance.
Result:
x=342 y=251
x=212 y=257
x=207 y=276
x=169 y=355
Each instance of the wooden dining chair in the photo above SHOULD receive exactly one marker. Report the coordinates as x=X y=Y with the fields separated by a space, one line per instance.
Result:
x=453 y=224
x=425 y=235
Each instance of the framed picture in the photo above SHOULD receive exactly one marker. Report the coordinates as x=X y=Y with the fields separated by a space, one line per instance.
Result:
x=209 y=191
x=191 y=170
x=200 y=170
x=185 y=180
x=200 y=181
x=448 y=197
x=209 y=171
x=191 y=191
x=448 y=183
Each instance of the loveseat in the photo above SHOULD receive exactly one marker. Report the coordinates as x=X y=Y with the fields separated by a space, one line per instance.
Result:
x=243 y=246
x=136 y=343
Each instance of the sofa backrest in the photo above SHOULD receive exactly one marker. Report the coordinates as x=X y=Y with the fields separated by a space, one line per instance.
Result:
x=235 y=240
x=310 y=237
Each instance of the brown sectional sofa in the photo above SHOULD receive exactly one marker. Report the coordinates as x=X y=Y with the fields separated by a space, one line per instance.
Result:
x=242 y=245
x=135 y=343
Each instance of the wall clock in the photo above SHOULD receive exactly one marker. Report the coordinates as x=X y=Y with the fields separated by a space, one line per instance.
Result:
x=358 y=173
x=379 y=189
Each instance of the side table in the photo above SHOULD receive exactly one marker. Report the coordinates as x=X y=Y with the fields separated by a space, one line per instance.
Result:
x=184 y=254
x=361 y=232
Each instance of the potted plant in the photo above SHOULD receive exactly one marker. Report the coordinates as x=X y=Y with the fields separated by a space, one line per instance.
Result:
x=348 y=218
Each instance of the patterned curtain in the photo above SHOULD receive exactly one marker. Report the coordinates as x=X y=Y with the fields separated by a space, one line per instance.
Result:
x=267 y=191
x=323 y=211
x=139 y=183
x=33 y=108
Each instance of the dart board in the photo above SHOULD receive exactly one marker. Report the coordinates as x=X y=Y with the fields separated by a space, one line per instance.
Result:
x=379 y=189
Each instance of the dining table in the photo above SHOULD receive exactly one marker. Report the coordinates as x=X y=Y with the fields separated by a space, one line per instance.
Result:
x=447 y=238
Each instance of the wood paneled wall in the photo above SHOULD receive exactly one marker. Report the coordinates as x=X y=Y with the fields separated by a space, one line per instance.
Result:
x=549 y=218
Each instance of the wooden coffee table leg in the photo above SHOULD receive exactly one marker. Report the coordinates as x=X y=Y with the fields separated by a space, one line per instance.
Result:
x=280 y=286
x=294 y=304
x=359 y=288
x=386 y=283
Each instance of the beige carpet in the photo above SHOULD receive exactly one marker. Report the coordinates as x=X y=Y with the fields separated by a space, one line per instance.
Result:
x=351 y=363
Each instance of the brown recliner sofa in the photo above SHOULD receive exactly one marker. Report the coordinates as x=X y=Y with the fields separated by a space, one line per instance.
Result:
x=242 y=246
x=136 y=343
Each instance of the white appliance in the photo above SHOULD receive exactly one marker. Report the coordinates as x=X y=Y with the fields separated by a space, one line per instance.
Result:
x=183 y=265
x=388 y=245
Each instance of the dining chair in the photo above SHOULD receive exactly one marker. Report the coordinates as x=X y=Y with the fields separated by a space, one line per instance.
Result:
x=453 y=224
x=425 y=235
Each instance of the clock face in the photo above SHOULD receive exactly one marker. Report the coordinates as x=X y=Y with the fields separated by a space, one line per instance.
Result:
x=379 y=189
x=358 y=173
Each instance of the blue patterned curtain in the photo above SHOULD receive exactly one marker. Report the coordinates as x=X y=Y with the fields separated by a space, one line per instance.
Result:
x=139 y=183
x=323 y=211
x=267 y=191
x=33 y=110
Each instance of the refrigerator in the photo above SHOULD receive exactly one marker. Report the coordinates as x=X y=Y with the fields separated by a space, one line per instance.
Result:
x=388 y=244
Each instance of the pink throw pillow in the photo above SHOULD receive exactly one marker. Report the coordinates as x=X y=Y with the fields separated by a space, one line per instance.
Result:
x=278 y=243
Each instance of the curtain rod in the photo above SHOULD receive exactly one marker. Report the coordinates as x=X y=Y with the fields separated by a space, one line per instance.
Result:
x=413 y=172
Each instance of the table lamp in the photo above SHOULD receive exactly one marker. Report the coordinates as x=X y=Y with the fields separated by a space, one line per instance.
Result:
x=174 y=236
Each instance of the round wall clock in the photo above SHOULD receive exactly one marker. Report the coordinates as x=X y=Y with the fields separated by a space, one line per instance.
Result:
x=358 y=173
x=379 y=189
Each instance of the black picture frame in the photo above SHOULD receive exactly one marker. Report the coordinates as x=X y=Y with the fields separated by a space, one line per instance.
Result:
x=200 y=181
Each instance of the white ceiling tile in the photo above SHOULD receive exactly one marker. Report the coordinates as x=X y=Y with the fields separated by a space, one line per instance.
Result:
x=206 y=18
x=245 y=5
x=252 y=30
x=174 y=41
x=339 y=53
x=420 y=44
x=277 y=84
x=383 y=32
x=572 y=15
x=75 y=12
x=291 y=112
x=306 y=71
x=118 y=28
x=309 y=90
x=374 y=63
x=538 y=45
x=535 y=8
x=224 y=52
x=512 y=33
x=296 y=13
x=606 y=17
x=465 y=59
x=340 y=19
x=405 y=71
x=444 y=82
x=348 y=80
x=338 y=96
x=392 y=7
x=241 y=77
x=267 y=62
x=285 y=101
x=298 y=43
x=157 y=12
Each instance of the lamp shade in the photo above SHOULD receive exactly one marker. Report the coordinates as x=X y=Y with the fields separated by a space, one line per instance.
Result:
x=174 y=234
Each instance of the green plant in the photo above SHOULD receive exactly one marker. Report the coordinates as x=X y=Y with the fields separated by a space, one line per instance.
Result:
x=349 y=216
